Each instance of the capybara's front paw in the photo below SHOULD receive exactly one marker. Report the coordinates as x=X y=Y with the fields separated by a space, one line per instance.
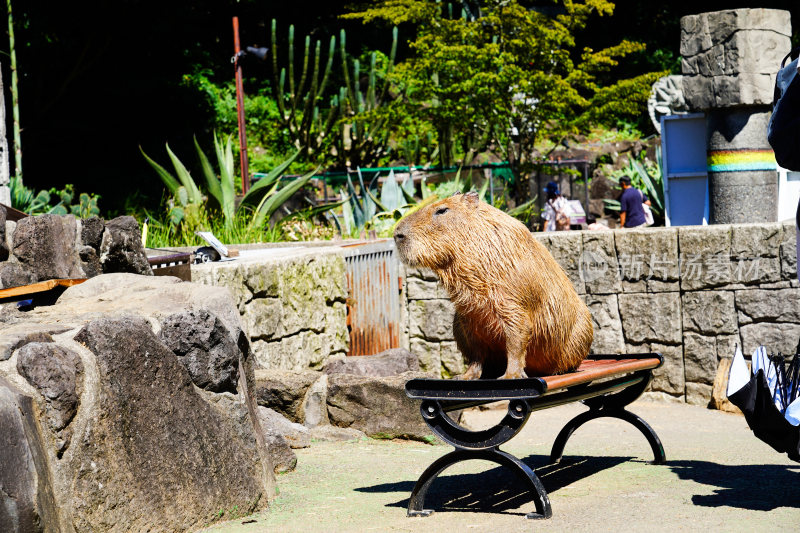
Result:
x=515 y=367
x=514 y=375
x=473 y=372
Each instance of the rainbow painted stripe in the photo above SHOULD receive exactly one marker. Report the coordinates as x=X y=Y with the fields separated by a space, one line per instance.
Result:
x=740 y=160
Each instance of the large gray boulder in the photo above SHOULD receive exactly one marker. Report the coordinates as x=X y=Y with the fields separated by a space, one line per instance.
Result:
x=12 y=274
x=89 y=250
x=26 y=495
x=92 y=232
x=284 y=391
x=105 y=424
x=121 y=293
x=387 y=363
x=121 y=248
x=57 y=374
x=178 y=447
x=377 y=406
x=44 y=246
x=205 y=347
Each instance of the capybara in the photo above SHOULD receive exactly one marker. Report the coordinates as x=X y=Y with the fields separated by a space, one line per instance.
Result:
x=515 y=308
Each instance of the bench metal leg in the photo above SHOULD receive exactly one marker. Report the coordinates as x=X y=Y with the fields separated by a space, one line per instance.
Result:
x=416 y=505
x=578 y=421
x=612 y=405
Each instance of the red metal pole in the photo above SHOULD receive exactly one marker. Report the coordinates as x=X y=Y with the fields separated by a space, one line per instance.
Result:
x=240 y=109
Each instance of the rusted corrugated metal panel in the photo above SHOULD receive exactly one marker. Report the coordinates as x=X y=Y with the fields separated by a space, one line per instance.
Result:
x=373 y=304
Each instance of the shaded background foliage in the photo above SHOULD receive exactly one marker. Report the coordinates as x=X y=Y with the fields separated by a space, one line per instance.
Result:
x=99 y=78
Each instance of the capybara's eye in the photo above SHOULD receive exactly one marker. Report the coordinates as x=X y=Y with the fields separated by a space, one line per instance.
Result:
x=441 y=211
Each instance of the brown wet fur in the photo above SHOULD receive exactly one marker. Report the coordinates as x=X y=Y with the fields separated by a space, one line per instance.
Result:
x=516 y=310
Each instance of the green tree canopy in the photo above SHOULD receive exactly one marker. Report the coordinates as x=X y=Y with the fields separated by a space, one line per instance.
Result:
x=502 y=76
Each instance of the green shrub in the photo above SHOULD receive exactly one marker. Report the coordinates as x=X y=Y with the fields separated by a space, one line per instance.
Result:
x=53 y=201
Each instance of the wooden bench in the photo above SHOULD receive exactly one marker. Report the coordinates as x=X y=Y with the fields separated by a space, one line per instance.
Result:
x=604 y=383
x=35 y=288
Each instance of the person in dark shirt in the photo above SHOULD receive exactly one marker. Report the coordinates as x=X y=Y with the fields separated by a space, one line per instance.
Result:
x=631 y=214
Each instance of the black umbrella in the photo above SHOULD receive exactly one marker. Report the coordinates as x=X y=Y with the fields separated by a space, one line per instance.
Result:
x=767 y=394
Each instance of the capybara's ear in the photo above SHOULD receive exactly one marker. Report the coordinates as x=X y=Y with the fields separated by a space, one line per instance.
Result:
x=457 y=193
x=472 y=198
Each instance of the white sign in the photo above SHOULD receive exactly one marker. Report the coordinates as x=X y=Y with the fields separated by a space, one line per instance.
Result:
x=575 y=212
x=213 y=242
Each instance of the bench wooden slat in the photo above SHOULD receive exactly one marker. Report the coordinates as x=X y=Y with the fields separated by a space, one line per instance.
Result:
x=42 y=286
x=594 y=368
x=591 y=370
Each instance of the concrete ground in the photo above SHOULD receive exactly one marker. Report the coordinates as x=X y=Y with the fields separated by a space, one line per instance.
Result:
x=718 y=477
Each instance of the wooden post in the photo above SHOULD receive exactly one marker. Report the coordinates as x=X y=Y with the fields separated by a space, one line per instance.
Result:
x=240 y=108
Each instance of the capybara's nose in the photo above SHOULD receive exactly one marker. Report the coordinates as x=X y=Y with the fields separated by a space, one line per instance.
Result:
x=398 y=237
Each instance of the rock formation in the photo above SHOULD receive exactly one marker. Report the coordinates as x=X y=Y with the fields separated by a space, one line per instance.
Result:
x=127 y=406
x=61 y=246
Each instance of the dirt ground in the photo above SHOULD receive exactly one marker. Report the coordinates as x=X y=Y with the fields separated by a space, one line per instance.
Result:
x=718 y=477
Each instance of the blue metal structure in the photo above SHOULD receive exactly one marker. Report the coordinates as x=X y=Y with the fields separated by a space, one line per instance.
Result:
x=683 y=148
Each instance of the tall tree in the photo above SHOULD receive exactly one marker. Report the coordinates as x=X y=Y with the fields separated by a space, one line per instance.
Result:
x=496 y=74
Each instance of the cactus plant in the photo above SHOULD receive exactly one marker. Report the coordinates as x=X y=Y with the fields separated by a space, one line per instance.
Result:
x=344 y=120
x=299 y=106
x=364 y=133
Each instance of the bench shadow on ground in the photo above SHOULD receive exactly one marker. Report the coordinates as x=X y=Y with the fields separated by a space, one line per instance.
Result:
x=497 y=490
x=758 y=487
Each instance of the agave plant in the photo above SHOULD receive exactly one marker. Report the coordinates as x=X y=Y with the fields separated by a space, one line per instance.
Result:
x=357 y=211
x=272 y=196
x=370 y=211
x=222 y=189
x=264 y=197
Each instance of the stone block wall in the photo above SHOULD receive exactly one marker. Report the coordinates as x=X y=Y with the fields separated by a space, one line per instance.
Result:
x=691 y=293
x=293 y=307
